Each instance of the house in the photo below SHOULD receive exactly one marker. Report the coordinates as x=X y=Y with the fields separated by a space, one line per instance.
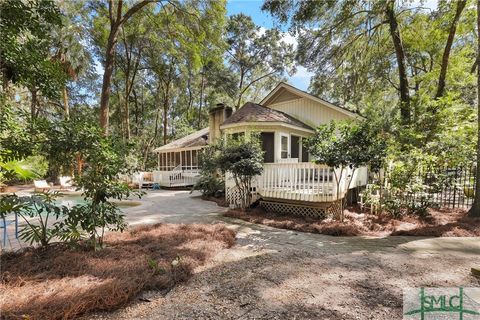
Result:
x=283 y=119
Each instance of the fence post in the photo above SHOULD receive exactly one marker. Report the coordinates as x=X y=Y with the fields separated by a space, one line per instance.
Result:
x=455 y=187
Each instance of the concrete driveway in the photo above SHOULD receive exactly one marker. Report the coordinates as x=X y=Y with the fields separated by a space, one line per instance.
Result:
x=280 y=274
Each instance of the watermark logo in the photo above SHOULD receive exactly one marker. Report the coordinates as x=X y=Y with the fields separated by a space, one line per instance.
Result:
x=441 y=303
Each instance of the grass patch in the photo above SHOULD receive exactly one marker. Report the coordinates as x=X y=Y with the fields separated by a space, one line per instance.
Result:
x=62 y=283
x=438 y=223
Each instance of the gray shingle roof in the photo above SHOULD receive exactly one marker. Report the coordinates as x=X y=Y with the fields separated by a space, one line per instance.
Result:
x=252 y=112
x=196 y=139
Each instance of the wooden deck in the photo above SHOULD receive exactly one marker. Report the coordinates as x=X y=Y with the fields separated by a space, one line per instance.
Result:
x=297 y=181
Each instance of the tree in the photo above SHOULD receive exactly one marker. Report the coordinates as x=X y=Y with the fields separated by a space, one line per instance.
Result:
x=347 y=146
x=69 y=48
x=359 y=49
x=25 y=58
x=448 y=47
x=475 y=209
x=117 y=19
x=243 y=159
x=255 y=55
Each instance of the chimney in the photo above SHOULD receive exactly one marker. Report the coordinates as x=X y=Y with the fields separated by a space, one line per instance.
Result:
x=217 y=116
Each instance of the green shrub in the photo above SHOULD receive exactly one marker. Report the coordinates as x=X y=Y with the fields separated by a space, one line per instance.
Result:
x=211 y=179
x=37 y=212
x=243 y=159
x=36 y=164
x=209 y=185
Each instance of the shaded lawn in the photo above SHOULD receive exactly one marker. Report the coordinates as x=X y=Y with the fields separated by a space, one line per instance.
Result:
x=438 y=223
x=62 y=283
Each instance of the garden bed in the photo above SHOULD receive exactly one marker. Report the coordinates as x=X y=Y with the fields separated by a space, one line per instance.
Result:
x=62 y=283
x=438 y=223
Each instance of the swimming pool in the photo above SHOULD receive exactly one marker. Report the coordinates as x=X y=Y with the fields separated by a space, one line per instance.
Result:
x=70 y=200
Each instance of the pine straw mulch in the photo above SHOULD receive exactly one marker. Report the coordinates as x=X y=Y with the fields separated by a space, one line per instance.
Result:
x=63 y=283
x=438 y=223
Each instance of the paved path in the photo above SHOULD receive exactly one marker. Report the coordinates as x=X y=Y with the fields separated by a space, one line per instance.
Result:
x=280 y=274
x=183 y=207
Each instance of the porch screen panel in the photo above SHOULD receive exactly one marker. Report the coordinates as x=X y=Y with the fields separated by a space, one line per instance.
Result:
x=268 y=146
x=184 y=160
x=188 y=162
x=177 y=158
x=194 y=158
x=295 y=147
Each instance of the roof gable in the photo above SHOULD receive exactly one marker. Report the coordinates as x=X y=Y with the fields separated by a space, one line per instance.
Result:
x=285 y=92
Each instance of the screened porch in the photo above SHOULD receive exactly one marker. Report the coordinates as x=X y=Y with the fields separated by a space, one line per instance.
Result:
x=185 y=160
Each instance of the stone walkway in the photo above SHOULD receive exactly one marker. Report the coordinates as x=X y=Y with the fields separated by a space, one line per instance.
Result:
x=280 y=274
x=183 y=207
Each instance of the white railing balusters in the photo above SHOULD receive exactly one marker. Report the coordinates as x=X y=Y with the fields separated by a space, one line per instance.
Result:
x=298 y=181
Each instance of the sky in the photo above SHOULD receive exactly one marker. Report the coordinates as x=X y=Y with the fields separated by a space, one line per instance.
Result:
x=301 y=79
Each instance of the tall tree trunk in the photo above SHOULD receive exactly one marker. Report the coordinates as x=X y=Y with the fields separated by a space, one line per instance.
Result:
x=34 y=103
x=202 y=87
x=165 y=115
x=240 y=94
x=135 y=98
x=127 y=118
x=66 y=108
x=107 y=78
x=150 y=142
x=405 y=112
x=446 y=52
x=116 y=21
x=475 y=209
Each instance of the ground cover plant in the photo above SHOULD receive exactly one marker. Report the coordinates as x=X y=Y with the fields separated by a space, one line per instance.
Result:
x=59 y=282
x=438 y=223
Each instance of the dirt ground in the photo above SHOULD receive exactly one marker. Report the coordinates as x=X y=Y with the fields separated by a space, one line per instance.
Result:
x=60 y=282
x=280 y=274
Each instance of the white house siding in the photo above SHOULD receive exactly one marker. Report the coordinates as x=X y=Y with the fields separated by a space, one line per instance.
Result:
x=311 y=112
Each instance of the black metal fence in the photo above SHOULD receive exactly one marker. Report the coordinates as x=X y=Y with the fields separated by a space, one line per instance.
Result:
x=445 y=187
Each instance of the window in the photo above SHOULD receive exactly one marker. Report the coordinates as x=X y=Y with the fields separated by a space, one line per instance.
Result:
x=295 y=147
x=284 y=147
x=237 y=135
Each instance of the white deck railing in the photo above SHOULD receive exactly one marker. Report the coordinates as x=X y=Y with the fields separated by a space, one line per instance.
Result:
x=300 y=182
x=171 y=178
x=297 y=181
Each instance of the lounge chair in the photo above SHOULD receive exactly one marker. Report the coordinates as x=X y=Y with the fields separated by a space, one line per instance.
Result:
x=41 y=185
x=65 y=182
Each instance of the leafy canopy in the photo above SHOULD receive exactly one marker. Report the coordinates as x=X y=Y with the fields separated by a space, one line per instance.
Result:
x=348 y=144
x=26 y=41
